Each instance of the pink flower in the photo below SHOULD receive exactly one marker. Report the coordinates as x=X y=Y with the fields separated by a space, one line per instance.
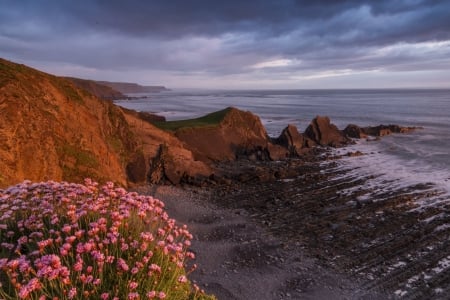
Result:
x=78 y=266
x=27 y=289
x=133 y=285
x=66 y=229
x=104 y=296
x=132 y=296
x=182 y=279
x=72 y=293
x=161 y=295
x=122 y=265
x=151 y=294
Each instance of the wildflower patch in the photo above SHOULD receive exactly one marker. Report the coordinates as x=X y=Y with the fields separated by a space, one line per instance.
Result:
x=62 y=240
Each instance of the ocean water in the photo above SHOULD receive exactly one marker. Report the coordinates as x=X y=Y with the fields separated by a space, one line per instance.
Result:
x=397 y=161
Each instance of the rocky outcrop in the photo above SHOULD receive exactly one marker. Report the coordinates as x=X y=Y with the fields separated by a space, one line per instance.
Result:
x=324 y=133
x=169 y=166
x=164 y=157
x=354 y=131
x=383 y=130
x=236 y=133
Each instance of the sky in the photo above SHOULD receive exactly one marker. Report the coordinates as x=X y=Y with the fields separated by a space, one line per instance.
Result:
x=234 y=44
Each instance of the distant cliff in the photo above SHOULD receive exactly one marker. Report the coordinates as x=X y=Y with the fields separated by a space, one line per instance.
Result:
x=130 y=88
x=113 y=90
x=97 y=89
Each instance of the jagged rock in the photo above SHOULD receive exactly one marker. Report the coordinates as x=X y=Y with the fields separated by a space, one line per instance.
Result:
x=354 y=131
x=324 y=133
x=292 y=140
x=174 y=165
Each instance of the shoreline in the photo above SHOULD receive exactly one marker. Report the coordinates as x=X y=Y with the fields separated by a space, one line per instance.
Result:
x=313 y=216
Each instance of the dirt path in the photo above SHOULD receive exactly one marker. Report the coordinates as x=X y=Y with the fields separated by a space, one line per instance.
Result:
x=239 y=259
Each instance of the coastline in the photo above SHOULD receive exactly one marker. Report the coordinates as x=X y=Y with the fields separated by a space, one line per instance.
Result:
x=309 y=233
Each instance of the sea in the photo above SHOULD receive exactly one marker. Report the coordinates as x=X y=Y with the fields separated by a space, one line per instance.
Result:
x=395 y=162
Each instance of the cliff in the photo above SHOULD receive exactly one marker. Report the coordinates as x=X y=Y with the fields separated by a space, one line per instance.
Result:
x=50 y=129
x=130 y=88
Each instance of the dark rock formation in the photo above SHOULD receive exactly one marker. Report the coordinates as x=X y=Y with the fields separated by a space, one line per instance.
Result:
x=295 y=142
x=354 y=131
x=277 y=152
x=383 y=130
x=324 y=133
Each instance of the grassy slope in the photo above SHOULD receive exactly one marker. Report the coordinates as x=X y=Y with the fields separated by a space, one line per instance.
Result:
x=212 y=119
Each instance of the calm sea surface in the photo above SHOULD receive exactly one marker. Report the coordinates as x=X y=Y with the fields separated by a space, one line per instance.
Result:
x=422 y=156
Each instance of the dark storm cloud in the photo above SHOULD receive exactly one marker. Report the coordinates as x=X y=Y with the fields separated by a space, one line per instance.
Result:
x=229 y=37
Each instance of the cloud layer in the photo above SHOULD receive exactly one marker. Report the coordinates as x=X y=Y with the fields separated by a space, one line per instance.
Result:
x=244 y=44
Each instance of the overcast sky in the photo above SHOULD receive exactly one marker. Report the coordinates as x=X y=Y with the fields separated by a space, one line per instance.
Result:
x=234 y=43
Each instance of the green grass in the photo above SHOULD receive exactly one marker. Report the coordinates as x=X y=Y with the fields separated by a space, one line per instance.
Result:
x=210 y=120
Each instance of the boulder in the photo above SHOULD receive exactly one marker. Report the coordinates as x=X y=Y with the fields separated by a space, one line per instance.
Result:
x=277 y=152
x=292 y=140
x=324 y=133
x=169 y=165
x=354 y=131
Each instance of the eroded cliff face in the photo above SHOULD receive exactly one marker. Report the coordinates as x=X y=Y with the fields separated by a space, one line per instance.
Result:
x=51 y=130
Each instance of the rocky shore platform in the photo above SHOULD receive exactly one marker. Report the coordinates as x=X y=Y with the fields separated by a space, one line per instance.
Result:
x=305 y=229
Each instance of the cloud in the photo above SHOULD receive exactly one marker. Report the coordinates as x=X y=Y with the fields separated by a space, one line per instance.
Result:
x=272 y=63
x=241 y=39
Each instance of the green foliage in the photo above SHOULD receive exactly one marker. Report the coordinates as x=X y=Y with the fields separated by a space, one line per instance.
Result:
x=210 y=120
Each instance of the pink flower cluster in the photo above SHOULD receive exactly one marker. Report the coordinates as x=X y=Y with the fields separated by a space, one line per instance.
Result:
x=72 y=241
